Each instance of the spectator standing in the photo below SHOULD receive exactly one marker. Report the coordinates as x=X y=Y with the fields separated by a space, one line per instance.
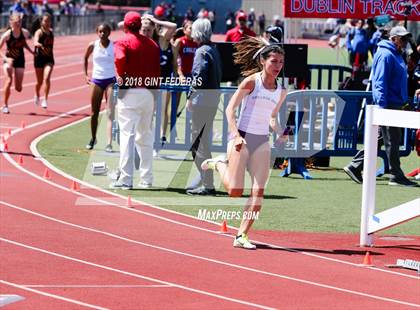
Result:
x=358 y=45
x=165 y=31
x=377 y=36
x=241 y=31
x=185 y=48
x=389 y=91
x=31 y=12
x=212 y=19
x=229 y=20
x=203 y=13
x=261 y=23
x=203 y=101
x=189 y=14
x=17 y=8
x=184 y=51
x=148 y=29
x=136 y=61
x=251 y=19
x=413 y=79
x=371 y=29
x=99 y=9
x=46 y=8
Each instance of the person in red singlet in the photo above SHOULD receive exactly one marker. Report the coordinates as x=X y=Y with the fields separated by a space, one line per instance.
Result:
x=185 y=48
x=184 y=51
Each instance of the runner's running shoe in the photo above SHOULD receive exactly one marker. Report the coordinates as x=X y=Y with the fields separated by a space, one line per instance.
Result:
x=242 y=241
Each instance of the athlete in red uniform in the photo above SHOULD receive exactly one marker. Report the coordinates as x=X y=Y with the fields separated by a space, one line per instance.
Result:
x=185 y=48
x=184 y=51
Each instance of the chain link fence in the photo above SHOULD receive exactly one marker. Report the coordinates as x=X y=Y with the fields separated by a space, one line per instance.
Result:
x=71 y=24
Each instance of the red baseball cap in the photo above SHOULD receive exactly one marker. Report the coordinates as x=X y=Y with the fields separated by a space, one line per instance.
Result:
x=241 y=15
x=132 y=20
x=159 y=11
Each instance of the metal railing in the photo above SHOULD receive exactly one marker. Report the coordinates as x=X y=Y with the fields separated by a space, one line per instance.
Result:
x=327 y=76
x=319 y=122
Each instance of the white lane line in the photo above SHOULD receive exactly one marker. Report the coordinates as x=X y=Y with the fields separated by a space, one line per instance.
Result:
x=277 y=275
x=139 y=276
x=95 y=286
x=51 y=95
x=60 y=77
x=60 y=66
x=53 y=168
x=63 y=58
x=96 y=200
x=73 y=301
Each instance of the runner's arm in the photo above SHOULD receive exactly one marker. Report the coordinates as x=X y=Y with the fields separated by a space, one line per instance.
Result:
x=88 y=52
x=27 y=35
x=3 y=39
x=244 y=89
x=36 y=38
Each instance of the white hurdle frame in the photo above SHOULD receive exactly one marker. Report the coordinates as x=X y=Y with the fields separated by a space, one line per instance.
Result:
x=370 y=222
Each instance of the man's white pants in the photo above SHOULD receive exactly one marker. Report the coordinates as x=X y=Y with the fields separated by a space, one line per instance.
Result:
x=135 y=115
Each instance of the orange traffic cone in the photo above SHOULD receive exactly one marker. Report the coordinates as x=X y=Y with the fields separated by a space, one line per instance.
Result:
x=22 y=124
x=46 y=174
x=20 y=160
x=223 y=228
x=74 y=186
x=129 y=204
x=367 y=260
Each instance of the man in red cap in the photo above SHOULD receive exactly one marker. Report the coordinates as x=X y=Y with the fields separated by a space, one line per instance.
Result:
x=137 y=63
x=241 y=30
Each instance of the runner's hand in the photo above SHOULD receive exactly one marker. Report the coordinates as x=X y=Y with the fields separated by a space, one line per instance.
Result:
x=9 y=61
x=239 y=141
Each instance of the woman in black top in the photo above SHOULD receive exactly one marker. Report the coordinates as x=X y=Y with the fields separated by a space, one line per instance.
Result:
x=14 y=58
x=44 y=58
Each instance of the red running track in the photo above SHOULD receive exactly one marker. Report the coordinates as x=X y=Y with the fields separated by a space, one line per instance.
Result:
x=56 y=253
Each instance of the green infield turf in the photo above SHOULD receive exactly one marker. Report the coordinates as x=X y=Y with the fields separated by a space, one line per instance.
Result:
x=329 y=203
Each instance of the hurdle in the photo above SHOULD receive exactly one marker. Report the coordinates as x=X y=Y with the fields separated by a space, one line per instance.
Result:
x=370 y=222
